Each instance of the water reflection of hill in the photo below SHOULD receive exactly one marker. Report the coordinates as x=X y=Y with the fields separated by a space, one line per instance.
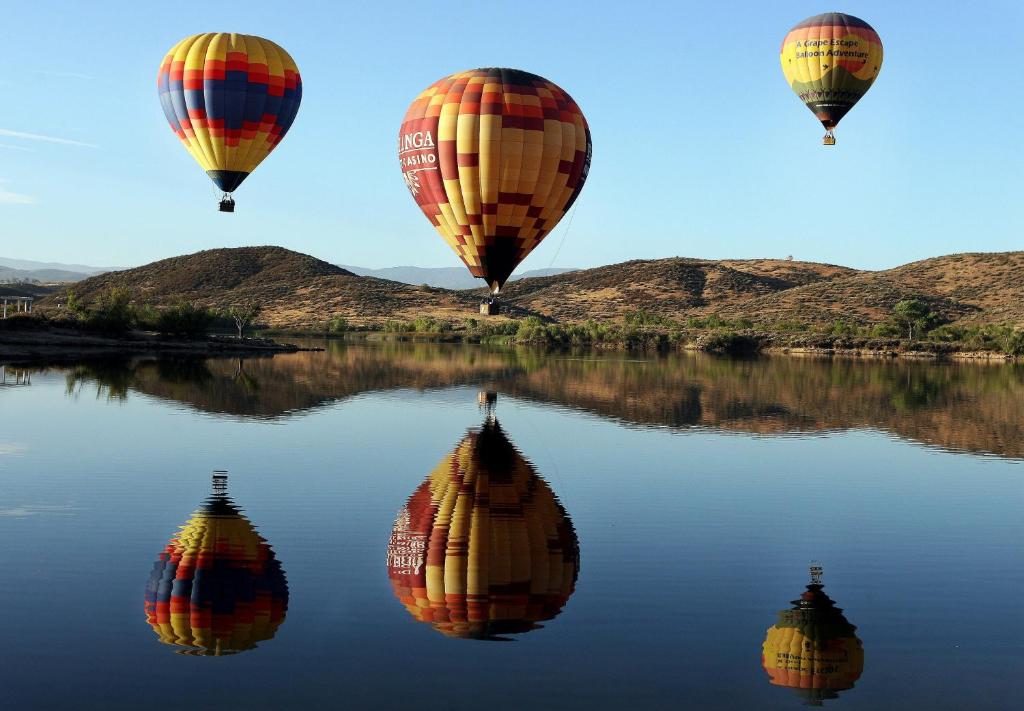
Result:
x=969 y=407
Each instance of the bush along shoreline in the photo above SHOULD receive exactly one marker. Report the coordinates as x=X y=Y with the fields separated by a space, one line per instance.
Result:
x=909 y=332
x=912 y=329
x=113 y=325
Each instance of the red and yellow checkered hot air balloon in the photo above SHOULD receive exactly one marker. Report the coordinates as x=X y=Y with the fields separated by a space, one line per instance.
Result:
x=483 y=548
x=830 y=61
x=230 y=99
x=217 y=587
x=812 y=649
x=494 y=158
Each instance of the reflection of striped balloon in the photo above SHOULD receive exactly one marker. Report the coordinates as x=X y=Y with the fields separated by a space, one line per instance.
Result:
x=483 y=548
x=494 y=158
x=812 y=648
x=217 y=587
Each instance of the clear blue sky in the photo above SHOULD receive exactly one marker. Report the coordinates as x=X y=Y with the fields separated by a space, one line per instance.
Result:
x=700 y=148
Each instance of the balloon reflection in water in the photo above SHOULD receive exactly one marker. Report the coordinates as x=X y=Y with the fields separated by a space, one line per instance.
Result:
x=217 y=588
x=813 y=648
x=483 y=548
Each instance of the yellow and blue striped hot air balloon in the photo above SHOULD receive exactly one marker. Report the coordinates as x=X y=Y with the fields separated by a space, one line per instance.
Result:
x=217 y=587
x=230 y=99
x=813 y=649
x=830 y=61
x=483 y=548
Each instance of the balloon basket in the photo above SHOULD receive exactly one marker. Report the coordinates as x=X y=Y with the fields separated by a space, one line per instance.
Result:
x=490 y=308
x=227 y=205
x=828 y=140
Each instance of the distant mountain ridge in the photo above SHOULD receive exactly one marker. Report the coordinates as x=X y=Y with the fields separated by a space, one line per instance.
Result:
x=299 y=291
x=443 y=277
x=25 y=270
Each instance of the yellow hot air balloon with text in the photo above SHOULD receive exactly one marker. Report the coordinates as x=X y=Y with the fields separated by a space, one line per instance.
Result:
x=830 y=61
x=494 y=158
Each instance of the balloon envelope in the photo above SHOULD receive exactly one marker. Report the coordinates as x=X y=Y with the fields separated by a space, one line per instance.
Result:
x=217 y=587
x=494 y=158
x=830 y=61
x=483 y=548
x=813 y=649
x=230 y=99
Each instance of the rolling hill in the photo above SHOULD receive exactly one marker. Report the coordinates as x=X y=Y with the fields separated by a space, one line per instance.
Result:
x=298 y=290
x=443 y=277
x=293 y=289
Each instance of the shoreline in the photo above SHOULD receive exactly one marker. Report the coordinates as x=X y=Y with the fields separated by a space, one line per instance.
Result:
x=67 y=345
x=871 y=354
x=692 y=346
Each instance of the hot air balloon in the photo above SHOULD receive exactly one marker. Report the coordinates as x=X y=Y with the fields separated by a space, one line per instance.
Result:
x=830 y=61
x=494 y=158
x=812 y=649
x=230 y=98
x=483 y=549
x=216 y=588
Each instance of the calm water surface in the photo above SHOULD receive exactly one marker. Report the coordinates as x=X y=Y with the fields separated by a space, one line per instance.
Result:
x=611 y=532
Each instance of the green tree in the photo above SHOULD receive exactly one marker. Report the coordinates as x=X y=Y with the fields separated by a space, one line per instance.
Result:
x=243 y=315
x=913 y=315
x=112 y=311
x=75 y=306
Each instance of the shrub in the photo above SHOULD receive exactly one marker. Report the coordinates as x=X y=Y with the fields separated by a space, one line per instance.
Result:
x=729 y=343
x=112 y=312
x=185 y=319
x=790 y=326
x=146 y=317
x=842 y=329
x=642 y=317
x=531 y=330
x=884 y=330
x=1013 y=343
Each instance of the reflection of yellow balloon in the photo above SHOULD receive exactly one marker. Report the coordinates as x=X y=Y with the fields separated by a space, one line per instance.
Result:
x=483 y=548
x=812 y=648
x=217 y=587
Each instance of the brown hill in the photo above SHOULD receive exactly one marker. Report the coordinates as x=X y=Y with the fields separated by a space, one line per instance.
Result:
x=673 y=288
x=977 y=287
x=296 y=290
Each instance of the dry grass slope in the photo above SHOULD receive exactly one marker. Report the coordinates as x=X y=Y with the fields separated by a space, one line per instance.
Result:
x=294 y=290
x=297 y=291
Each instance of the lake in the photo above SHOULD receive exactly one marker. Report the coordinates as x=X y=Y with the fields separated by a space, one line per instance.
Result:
x=464 y=527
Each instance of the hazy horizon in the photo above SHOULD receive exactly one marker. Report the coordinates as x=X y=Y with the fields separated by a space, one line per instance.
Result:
x=521 y=270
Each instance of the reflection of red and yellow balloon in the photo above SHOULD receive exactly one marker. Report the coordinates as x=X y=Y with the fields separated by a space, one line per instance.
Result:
x=813 y=649
x=217 y=587
x=483 y=548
